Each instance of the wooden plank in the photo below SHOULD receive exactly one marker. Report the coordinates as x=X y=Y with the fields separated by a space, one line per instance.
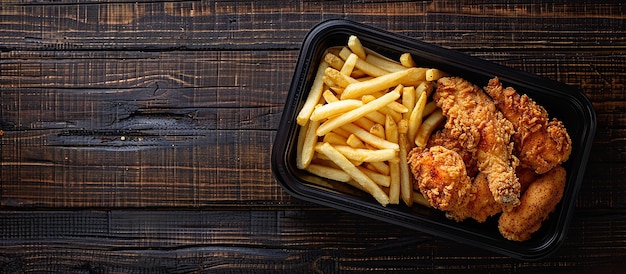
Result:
x=250 y=25
x=287 y=240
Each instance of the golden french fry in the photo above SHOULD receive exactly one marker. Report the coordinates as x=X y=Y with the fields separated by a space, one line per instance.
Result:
x=355 y=142
x=376 y=117
x=348 y=66
x=308 y=146
x=329 y=96
x=300 y=144
x=429 y=108
x=344 y=133
x=335 y=108
x=338 y=78
x=395 y=106
x=391 y=134
x=378 y=130
x=425 y=86
x=419 y=199
x=314 y=96
x=355 y=173
x=355 y=45
x=379 y=179
x=357 y=73
x=383 y=82
x=333 y=61
x=406 y=183
x=329 y=172
x=369 y=138
x=434 y=74
x=384 y=63
x=364 y=123
x=406 y=60
x=408 y=100
x=415 y=121
x=357 y=113
x=432 y=122
x=380 y=167
x=361 y=154
x=362 y=65
x=335 y=139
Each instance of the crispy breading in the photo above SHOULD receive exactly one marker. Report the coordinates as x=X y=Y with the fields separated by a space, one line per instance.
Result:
x=480 y=128
x=440 y=176
x=538 y=201
x=540 y=143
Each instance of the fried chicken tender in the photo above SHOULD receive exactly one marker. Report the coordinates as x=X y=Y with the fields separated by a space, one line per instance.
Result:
x=540 y=143
x=480 y=128
x=441 y=177
x=538 y=201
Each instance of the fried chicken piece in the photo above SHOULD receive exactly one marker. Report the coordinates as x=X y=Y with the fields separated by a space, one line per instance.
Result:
x=440 y=176
x=540 y=143
x=480 y=128
x=442 y=138
x=481 y=204
x=538 y=201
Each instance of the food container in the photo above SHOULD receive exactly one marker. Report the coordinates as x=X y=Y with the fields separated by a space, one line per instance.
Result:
x=563 y=102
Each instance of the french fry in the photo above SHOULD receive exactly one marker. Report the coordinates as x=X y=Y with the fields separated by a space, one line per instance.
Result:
x=363 y=155
x=334 y=61
x=384 y=63
x=335 y=139
x=329 y=96
x=429 y=108
x=364 y=123
x=300 y=145
x=362 y=65
x=434 y=74
x=383 y=82
x=432 y=122
x=329 y=172
x=408 y=100
x=406 y=183
x=348 y=66
x=391 y=134
x=415 y=121
x=406 y=60
x=355 y=173
x=379 y=179
x=355 y=45
x=334 y=108
x=354 y=141
x=338 y=78
x=308 y=146
x=357 y=113
x=376 y=117
x=380 y=167
x=314 y=96
x=378 y=130
x=369 y=138
x=419 y=199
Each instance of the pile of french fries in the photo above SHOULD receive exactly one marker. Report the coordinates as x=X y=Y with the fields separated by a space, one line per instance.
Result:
x=362 y=116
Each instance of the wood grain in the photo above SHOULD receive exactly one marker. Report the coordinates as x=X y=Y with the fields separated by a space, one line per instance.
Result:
x=136 y=135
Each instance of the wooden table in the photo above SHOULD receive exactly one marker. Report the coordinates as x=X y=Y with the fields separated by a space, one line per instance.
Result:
x=136 y=135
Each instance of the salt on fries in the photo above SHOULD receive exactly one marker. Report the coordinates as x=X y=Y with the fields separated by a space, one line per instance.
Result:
x=362 y=116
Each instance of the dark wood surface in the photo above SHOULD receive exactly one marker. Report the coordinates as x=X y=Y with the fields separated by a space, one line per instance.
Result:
x=136 y=135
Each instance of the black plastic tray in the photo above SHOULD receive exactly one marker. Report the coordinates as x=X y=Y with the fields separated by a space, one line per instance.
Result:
x=564 y=102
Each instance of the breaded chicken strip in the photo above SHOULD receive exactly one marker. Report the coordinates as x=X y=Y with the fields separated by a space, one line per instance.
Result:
x=540 y=143
x=481 y=204
x=538 y=201
x=480 y=128
x=440 y=175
